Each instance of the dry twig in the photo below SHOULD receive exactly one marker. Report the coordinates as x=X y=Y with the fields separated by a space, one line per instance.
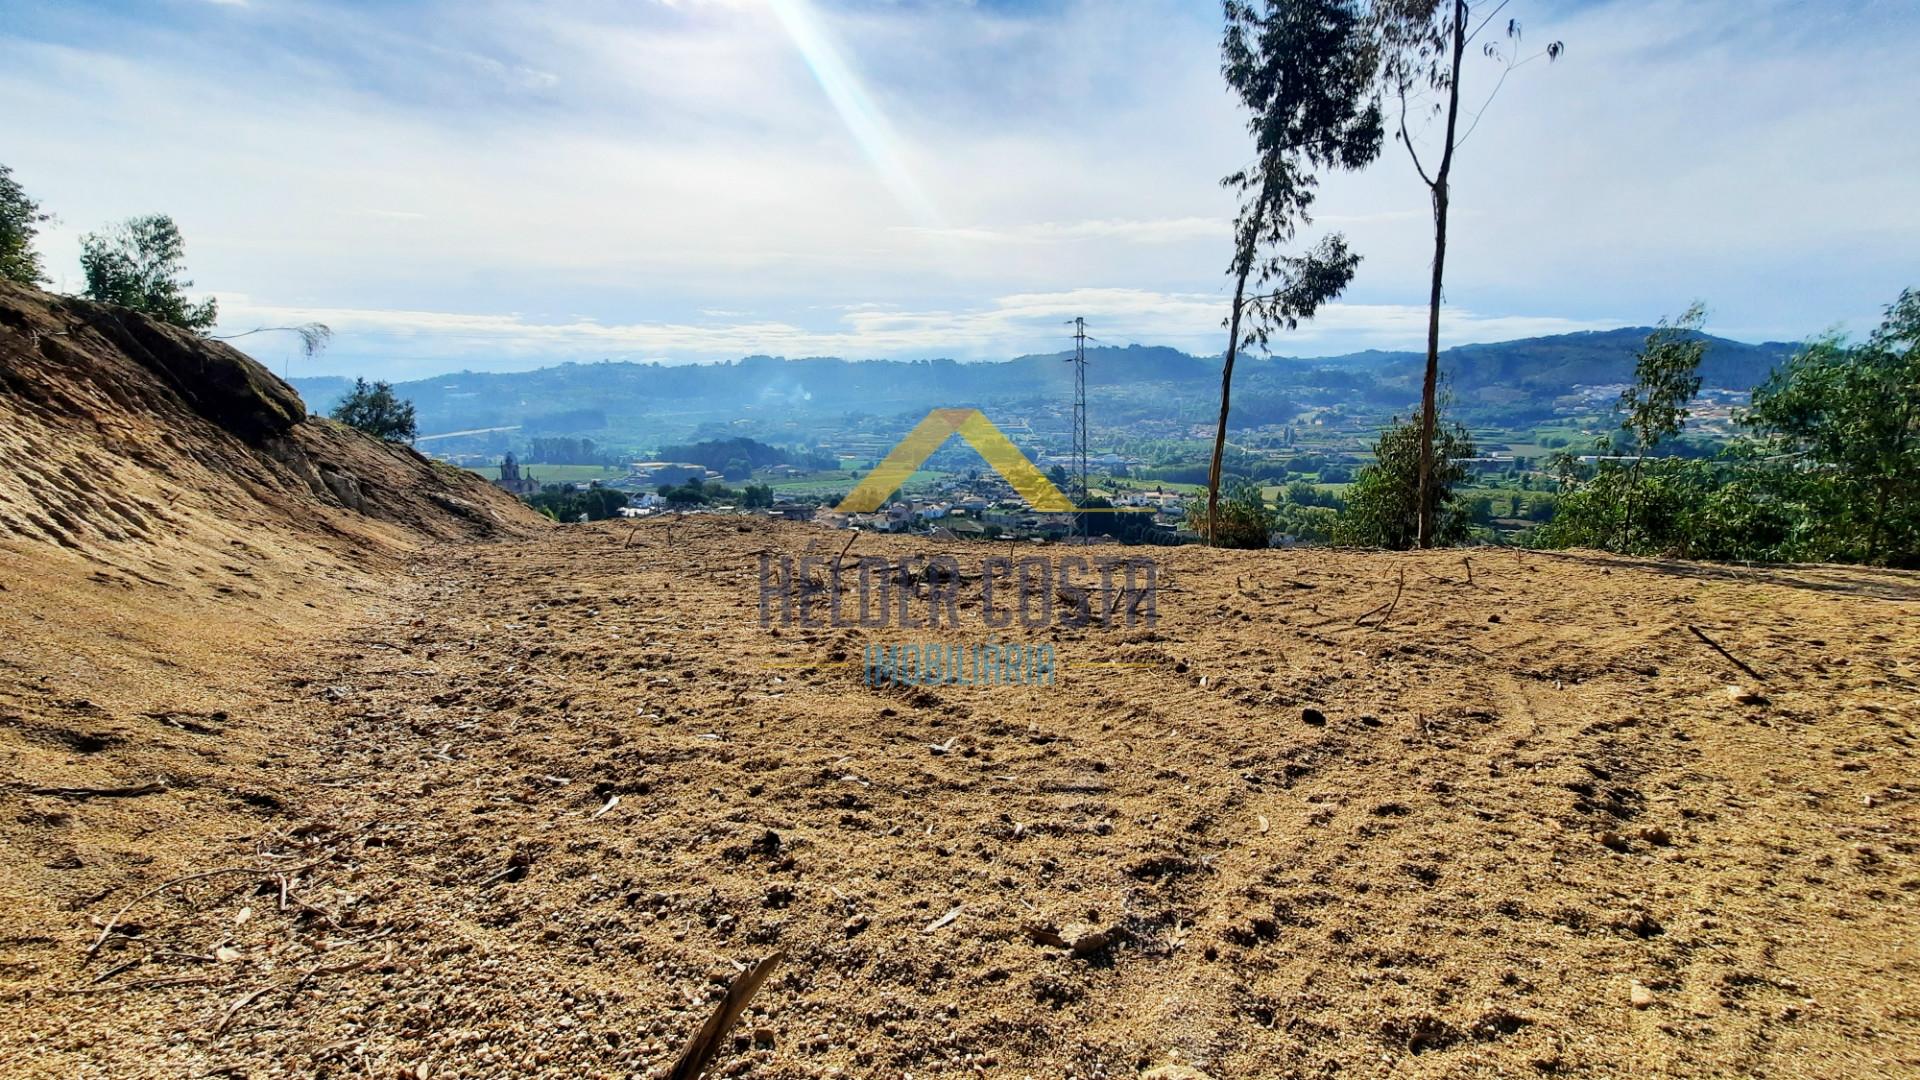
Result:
x=700 y=1049
x=1388 y=606
x=242 y=1002
x=1737 y=662
x=127 y=792
x=264 y=871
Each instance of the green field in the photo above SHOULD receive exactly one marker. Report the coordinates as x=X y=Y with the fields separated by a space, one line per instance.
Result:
x=840 y=481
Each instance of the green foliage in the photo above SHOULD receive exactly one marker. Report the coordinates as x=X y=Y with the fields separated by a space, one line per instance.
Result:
x=1853 y=414
x=1304 y=70
x=1731 y=509
x=1831 y=474
x=1128 y=526
x=376 y=410
x=699 y=493
x=138 y=264
x=20 y=221
x=1666 y=376
x=561 y=450
x=1383 y=504
x=1306 y=524
x=1243 y=520
x=736 y=458
x=691 y=493
x=1177 y=474
x=595 y=503
x=1301 y=493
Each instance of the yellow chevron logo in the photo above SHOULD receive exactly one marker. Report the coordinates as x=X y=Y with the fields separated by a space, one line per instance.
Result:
x=940 y=425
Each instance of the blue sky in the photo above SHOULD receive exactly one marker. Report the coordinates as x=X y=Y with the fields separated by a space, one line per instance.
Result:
x=496 y=185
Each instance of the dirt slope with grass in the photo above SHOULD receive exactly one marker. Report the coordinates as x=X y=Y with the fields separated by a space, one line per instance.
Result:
x=521 y=805
x=174 y=530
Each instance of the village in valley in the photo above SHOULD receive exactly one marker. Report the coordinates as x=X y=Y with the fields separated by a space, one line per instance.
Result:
x=971 y=504
x=1147 y=477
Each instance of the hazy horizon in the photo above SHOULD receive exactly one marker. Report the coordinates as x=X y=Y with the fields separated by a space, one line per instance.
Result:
x=321 y=372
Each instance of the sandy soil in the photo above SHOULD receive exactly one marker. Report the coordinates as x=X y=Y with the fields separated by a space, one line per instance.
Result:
x=522 y=808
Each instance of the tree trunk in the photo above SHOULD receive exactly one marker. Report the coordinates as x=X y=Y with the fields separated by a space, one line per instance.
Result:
x=1429 y=385
x=1626 y=520
x=1879 y=517
x=1226 y=387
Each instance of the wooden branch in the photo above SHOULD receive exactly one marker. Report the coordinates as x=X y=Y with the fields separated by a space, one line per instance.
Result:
x=127 y=792
x=264 y=871
x=233 y=1010
x=1407 y=140
x=705 y=1044
x=1737 y=662
x=1389 y=605
x=1483 y=22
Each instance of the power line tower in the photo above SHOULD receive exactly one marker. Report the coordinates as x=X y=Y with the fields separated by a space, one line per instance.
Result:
x=1079 y=362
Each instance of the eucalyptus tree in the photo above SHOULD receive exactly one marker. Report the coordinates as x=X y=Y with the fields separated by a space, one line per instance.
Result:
x=138 y=264
x=1851 y=414
x=1666 y=377
x=1305 y=71
x=1423 y=44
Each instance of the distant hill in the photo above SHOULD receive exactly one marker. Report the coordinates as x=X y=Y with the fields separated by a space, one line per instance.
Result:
x=1553 y=365
x=1515 y=380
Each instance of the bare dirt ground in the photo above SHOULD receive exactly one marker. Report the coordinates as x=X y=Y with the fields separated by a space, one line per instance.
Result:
x=521 y=808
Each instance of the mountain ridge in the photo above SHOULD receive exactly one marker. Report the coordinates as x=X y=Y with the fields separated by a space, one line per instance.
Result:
x=1518 y=381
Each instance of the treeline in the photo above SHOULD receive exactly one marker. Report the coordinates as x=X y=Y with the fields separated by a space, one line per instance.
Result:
x=571 y=502
x=563 y=450
x=138 y=263
x=1248 y=467
x=737 y=458
x=1827 y=468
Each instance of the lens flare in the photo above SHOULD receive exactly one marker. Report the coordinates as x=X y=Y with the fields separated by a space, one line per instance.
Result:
x=863 y=118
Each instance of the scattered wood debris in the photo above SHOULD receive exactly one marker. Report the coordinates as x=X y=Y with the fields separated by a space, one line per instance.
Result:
x=706 y=1042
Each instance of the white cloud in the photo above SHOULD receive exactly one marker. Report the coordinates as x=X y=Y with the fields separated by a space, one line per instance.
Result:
x=1159 y=231
x=1008 y=326
x=676 y=172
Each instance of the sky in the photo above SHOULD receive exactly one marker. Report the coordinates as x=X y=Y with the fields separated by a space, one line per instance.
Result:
x=471 y=184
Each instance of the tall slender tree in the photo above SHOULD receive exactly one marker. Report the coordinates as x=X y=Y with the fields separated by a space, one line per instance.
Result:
x=1304 y=69
x=1422 y=44
x=1666 y=376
